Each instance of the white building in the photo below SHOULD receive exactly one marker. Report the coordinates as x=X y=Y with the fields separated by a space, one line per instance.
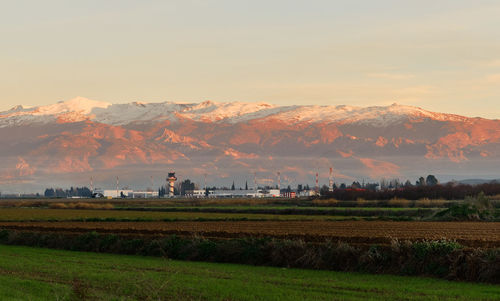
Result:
x=250 y=193
x=127 y=193
x=197 y=193
x=308 y=193
x=113 y=193
x=273 y=193
x=143 y=194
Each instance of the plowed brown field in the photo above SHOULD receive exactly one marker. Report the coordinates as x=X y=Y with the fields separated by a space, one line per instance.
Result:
x=357 y=232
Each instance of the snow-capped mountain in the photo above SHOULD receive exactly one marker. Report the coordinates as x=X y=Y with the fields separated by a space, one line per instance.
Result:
x=68 y=141
x=229 y=112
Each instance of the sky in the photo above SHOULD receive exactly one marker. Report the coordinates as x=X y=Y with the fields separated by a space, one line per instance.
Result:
x=439 y=55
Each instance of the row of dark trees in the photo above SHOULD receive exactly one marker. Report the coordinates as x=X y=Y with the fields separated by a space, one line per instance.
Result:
x=72 y=192
x=448 y=191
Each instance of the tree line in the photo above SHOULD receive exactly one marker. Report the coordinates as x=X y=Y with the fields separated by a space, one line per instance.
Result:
x=449 y=191
x=72 y=192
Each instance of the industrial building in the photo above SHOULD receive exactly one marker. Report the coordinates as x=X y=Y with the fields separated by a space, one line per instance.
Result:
x=144 y=194
x=113 y=193
x=124 y=193
x=260 y=193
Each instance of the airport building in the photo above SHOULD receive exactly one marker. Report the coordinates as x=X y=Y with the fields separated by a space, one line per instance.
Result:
x=124 y=193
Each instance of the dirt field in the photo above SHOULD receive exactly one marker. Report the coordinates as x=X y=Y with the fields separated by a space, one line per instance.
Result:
x=477 y=234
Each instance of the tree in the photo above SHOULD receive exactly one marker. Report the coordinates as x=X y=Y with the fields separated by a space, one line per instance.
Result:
x=420 y=181
x=186 y=186
x=431 y=180
x=84 y=191
x=343 y=186
x=355 y=185
x=324 y=190
x=232 y=186
x=246 y=185
x=60 y=193
x=384 y=184
x=162 y=191
x=394 y=183
x=49 y=193
x=371 y=186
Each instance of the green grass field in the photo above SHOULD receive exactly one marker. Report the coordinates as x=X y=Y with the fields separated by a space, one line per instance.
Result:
x=43 y=274
x=45 y=214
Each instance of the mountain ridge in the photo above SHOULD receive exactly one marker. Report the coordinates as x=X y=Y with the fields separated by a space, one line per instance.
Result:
x=118 y=114
x=79 y=138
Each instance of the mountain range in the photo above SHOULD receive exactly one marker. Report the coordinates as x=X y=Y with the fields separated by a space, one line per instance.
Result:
x=66 y=143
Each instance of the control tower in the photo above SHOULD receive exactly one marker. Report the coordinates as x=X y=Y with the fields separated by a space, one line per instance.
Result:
x=171 y=181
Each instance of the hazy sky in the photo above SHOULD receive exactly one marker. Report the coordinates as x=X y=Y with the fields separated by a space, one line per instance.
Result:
x=440 y=55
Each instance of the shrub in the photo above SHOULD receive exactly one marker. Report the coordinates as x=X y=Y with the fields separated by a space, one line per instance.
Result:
x=441 y=258
x=398 y=202
x=479 y=207
x=325 y=202
x=80 y=205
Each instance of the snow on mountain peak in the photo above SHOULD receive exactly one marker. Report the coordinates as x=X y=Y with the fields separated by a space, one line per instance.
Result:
x=73 y=110
x=217 y=111
x=80 y=108
x=78 y=104
x=375 y=115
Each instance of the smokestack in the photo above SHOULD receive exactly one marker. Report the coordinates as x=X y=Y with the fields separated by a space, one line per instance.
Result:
x=117 y=184
x=255 y=181
x=92 y=185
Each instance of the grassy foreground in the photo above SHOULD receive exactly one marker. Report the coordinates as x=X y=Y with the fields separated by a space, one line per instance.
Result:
x=42 y=274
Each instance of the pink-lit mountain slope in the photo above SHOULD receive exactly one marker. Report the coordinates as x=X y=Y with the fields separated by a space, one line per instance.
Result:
x=67 y=142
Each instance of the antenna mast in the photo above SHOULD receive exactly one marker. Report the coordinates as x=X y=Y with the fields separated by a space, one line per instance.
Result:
x=317 y=182
x=205 y=181
x=279 y=181
x=255 y=181
x=330 y=180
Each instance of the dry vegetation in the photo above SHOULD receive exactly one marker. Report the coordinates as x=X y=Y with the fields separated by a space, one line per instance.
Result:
x=324 y=202
x=397 y=202
x=155 y=202
x=79 y=205
x=479 y=234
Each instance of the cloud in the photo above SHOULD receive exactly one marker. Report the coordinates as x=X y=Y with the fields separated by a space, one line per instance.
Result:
x=18 y=174
x=493 y=78
x=345 y=154
x=378 y=168
x=493 y=63
x=23 y=168
x=391 y=76
x=415 y=90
